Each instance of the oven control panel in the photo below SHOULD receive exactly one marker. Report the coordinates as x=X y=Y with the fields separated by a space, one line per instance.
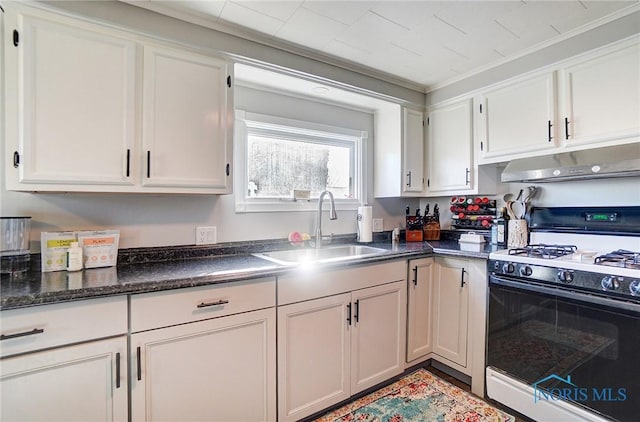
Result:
x=603 y=283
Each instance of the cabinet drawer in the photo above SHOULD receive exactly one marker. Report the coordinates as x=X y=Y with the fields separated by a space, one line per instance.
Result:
x=305 y=285
x=41 y=327
x=163 y=309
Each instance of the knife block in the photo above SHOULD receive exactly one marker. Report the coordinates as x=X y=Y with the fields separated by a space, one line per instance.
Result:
x=413 y=235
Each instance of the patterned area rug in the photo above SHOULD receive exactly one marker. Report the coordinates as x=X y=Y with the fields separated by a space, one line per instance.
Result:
x=418 y=397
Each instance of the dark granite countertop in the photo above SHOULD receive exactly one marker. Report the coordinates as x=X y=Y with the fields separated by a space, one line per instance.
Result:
x=155 y=269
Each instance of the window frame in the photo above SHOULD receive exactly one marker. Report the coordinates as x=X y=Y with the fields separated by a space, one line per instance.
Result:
x=314 y=133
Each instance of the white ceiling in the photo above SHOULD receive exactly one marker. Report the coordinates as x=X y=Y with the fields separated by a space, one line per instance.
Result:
x=427 y=43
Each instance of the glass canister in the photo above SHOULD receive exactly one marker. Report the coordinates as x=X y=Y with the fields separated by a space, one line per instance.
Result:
x=14 y=244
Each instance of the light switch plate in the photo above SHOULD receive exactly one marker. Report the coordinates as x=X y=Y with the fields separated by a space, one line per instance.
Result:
x=206 y=235
x=378 y=225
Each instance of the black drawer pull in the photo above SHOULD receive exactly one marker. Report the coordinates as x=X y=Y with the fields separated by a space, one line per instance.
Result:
x=415 y=275
x=139 y=361
x=216 y=303
x=23 y=334
x=118 y=370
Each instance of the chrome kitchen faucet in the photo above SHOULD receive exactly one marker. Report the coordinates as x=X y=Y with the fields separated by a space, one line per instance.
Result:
x=332 y=216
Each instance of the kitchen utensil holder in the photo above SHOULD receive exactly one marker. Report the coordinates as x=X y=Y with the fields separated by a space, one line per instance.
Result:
x=518 y=234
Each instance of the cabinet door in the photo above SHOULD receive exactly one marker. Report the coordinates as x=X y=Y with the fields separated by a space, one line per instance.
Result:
x=70 y=111
x=85 y=382
x=413 y=150
x=420 y=307
x=378 y=337
x=313 y=355
x=187 y=120
x=519 y=118
x=221 y=369
x=601 y=97
x=450 y=158
x=450 y=304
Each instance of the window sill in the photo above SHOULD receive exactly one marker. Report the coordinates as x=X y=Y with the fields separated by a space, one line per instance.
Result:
x=292 y=206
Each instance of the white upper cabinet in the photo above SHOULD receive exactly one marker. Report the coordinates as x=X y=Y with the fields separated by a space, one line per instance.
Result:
x=600 y=96
x=450 y=148
x=398 y=152
x=519 y=119
x=413 y=150
x=70 y=110
x=94 y=109
x=185 y=139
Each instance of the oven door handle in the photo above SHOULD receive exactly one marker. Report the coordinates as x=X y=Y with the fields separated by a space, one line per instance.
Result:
x=568 y=294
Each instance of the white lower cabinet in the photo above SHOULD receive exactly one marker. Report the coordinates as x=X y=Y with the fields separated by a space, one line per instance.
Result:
x=84 y=382
x=446 y=322
x=221 y=369
x=65 y=362
x=420 y=308
x=450 y=310
x=211 y=355
x=335 y=346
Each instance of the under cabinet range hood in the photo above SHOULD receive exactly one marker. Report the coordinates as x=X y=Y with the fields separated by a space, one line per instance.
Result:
x=614 y=161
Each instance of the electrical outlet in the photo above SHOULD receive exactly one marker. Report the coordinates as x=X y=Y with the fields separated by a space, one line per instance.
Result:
x=378 y=225
x=206 y=235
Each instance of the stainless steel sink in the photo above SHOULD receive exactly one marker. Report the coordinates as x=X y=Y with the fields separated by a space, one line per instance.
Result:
x=321 y=255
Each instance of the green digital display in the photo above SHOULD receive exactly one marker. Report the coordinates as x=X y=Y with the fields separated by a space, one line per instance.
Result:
x=612 y=217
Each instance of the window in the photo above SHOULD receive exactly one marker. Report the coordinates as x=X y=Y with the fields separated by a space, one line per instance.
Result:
x=282 y=155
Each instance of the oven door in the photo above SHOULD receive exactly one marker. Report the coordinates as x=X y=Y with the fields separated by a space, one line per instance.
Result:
x=566 y=346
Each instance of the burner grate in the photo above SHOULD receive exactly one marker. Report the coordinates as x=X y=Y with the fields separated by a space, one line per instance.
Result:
x=544 y=251
x=620 y=258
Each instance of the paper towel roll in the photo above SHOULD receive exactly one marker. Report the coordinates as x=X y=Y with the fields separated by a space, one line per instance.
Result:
x=365 y=224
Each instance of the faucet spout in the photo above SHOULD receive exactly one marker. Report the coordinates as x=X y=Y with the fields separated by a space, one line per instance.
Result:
x=332 y=215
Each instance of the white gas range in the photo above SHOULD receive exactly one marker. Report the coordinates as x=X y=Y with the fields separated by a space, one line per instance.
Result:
x=564 y=316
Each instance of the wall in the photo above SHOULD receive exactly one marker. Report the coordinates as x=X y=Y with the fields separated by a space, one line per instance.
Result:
x=161 y=220
x=600 y=192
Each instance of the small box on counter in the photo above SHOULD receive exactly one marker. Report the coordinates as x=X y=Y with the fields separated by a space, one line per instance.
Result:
x=99 y=248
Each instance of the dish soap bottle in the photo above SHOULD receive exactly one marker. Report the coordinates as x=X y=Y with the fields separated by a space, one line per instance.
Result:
x=74 y=257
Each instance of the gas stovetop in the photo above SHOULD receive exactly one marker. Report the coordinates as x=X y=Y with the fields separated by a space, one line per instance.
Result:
x=615 y=274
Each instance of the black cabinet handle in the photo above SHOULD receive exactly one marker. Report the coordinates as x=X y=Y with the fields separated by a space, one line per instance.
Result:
x=466 y=177
x=549 y=128
x=566 y=128
x=356 y=314
x=22 y=334
x=409 y=179
x=415 y=275
x=128 y=162
x=462 y=278
x=16 y=38
x=349 y=313
x=118 y=370
x=214 y=303
x=148 y=164
x=139 y=361
x=16 y=159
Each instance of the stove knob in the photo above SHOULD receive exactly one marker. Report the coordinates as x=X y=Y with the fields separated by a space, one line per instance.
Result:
x=634 y=287
x=526 y=271
x=508 y=268
x=565 y=276
x=611 y=282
